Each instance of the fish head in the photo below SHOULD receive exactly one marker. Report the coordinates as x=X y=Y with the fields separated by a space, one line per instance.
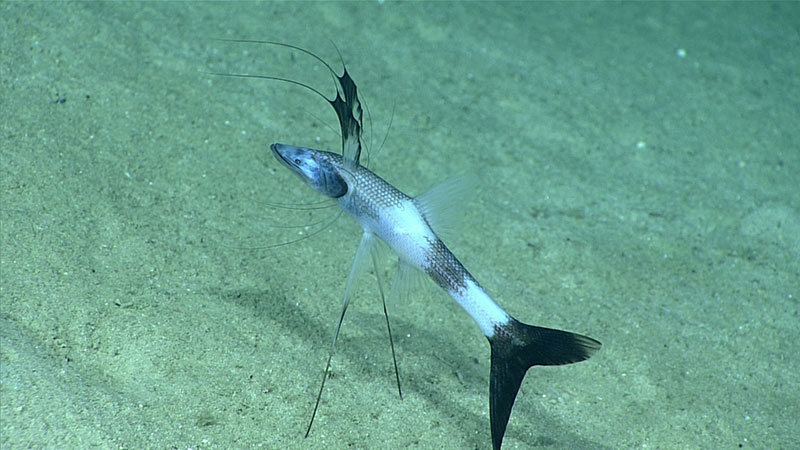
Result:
x=321 y=170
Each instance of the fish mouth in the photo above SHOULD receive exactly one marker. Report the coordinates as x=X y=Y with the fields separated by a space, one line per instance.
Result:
x=280 y=152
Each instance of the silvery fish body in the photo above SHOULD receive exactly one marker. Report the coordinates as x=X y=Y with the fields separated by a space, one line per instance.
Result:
x=399 y=220
x=408 y=226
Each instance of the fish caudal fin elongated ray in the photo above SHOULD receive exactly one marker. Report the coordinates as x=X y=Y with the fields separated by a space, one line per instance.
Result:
x=516 y=347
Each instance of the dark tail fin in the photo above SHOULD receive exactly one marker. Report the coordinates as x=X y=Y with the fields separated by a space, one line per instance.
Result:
x=515 y=348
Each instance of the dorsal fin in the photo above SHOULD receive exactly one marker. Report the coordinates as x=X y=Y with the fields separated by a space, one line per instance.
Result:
x=442 y=204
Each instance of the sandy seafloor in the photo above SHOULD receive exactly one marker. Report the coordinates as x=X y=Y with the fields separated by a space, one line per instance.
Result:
x=639 y=169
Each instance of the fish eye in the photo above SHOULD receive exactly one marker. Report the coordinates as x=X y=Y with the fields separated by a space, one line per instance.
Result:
x=297 y=161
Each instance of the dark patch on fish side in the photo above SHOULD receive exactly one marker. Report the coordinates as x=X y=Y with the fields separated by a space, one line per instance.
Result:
x=444 y=268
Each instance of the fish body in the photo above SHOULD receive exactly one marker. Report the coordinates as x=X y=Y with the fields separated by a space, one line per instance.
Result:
x=385 y=211
x=403 y=223
x=409 y=227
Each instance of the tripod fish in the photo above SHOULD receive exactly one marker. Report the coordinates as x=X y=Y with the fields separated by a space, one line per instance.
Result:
x=408 y=225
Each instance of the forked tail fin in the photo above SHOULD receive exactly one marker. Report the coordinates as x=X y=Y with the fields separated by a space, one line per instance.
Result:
x=515 y=348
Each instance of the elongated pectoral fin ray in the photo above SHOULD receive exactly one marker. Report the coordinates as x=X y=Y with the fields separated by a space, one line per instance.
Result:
x=359 y=264
x=348 y=109
x=388 y=325
x=346 y=104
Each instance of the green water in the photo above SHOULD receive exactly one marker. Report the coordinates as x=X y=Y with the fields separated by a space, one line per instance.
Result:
x=639 y=167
